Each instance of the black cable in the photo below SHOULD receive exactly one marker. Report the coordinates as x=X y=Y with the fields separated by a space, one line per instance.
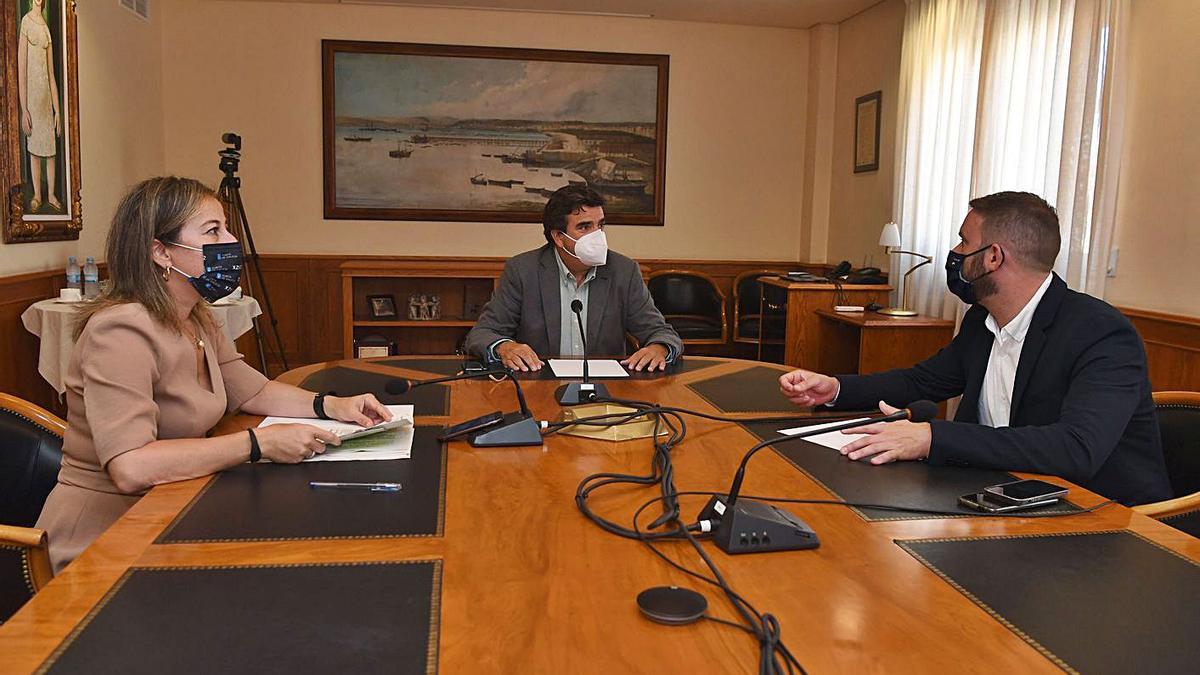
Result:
x=611 y=419
x=760 y=625
x=893 y=507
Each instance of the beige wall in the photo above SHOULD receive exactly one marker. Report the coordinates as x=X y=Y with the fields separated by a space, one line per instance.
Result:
x=734 y=149
x=868 y=60
x=120 y=127
x=1158 y=207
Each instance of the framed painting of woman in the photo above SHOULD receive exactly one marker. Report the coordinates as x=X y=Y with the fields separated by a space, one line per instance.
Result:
x=40 y=129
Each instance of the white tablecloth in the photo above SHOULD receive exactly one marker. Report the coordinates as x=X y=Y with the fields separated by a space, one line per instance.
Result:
x=51 y=321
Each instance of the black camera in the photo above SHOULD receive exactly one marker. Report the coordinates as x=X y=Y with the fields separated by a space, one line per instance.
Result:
x=231 y=154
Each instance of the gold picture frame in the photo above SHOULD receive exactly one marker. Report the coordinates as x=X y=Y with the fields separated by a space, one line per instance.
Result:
x=39 y=133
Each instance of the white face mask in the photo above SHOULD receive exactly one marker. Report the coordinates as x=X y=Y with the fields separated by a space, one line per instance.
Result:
x=591 y=249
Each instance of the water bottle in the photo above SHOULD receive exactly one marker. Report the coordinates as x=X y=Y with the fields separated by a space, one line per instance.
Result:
x=73 y=273
x=91 y=279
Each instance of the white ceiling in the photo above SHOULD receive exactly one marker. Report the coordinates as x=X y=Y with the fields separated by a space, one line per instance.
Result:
x=775 y=13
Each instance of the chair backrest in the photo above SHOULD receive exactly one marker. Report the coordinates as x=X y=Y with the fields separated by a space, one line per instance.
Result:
x=1179 y=425
x=30 y=454
x=684 y=292
x=24 y=567
x=747 y=292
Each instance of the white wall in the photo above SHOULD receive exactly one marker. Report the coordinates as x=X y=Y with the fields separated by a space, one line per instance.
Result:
x=120 y=127
x=735 y=130
x=1158 y=206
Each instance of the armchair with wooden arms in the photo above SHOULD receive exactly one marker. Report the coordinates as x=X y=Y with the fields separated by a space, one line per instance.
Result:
x=30 y=455
x=1179 y=424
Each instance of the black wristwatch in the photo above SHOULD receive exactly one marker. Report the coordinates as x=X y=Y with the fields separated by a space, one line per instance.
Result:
x=319 y=405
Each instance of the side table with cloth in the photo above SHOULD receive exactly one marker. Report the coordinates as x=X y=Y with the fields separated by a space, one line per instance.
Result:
x=53 y=322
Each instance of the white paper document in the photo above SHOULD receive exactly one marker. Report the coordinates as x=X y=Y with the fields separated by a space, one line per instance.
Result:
x=829 y=439
x=596 y=368
x=389 y=441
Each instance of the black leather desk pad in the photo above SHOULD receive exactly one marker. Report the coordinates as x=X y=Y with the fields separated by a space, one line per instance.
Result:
x=1102 y=602
x=443 y=367
x=908 y=484
x=752 y=390
x=259 y=502
x=332 y=618
x=433 y=399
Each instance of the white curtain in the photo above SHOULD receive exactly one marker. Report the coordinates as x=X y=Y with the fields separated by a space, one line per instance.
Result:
x=939 y=87
x=1048 y=121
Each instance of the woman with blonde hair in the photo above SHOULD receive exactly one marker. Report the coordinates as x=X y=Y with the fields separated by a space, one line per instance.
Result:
x=151 y=372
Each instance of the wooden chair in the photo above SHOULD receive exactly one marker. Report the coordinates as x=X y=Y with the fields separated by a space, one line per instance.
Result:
x=24 y=567
x=692 y=303
x=747 y=296
x=30 y=455
x=1179 y=424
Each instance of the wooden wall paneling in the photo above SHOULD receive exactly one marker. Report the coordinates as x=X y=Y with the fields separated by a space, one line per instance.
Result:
x=325 y=279
x=18 y=347
x=1172 y=348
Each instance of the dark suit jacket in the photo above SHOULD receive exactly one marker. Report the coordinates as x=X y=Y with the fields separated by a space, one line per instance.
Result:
x=1081 y=404
x=527 y=306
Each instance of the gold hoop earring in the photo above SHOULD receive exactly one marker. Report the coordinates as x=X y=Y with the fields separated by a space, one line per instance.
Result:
x=166 y=273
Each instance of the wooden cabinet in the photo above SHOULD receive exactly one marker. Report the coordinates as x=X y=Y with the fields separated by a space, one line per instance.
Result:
x=866 y=342
x=462 y=288
x=795 y=304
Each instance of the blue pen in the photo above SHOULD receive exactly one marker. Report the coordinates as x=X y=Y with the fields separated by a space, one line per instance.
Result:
x=373 y=487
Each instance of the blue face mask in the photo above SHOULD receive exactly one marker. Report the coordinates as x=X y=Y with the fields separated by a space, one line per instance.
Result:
x=956 y=282
x=222 y=269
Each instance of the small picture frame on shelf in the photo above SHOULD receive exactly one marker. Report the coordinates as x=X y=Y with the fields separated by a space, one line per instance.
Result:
x=424 y=307
x=382 y=306
x=373 y=345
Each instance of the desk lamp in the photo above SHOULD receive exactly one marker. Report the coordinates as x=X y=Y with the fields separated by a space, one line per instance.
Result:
x=889 y=239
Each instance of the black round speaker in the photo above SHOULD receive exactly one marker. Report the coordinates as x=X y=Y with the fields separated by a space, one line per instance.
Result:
x=672 y=605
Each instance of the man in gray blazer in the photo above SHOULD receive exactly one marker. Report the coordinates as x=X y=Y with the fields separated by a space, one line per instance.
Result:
x=530 y=313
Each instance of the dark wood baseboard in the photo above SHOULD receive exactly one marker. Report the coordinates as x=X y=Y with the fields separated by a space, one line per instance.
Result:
x=1172 y=348
x=305 y=292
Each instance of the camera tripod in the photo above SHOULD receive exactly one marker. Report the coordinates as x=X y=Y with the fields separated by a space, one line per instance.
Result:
x=230 y=195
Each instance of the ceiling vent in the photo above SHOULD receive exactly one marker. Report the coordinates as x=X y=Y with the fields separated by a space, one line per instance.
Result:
x=139 y=7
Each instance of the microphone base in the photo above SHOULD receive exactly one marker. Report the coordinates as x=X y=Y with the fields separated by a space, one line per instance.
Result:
x=755 y=527
x=516 y=429
x=580 y=392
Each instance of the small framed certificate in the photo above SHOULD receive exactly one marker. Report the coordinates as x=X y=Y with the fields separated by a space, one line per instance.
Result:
x=866 y=132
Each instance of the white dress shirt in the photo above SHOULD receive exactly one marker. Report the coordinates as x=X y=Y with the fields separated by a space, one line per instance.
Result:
x=995 y=396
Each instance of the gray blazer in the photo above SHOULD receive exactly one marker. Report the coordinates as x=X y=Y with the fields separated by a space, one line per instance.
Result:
x=526 y=308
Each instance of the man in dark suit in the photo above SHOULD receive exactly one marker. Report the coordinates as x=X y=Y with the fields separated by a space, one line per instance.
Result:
x=530 y=314
x=1052 y=381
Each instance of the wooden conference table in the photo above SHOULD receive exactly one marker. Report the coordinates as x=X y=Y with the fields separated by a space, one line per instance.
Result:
x=527 y=584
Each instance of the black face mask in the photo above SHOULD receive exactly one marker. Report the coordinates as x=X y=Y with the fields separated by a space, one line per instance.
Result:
x=222 y=269
x=955 y=280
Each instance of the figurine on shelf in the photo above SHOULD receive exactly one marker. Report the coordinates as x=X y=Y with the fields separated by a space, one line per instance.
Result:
x=414 y=307
x=435 y=307
x=424 y=307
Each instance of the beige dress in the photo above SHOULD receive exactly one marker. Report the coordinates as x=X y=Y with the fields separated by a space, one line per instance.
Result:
x=131 y=381
x=35 y=36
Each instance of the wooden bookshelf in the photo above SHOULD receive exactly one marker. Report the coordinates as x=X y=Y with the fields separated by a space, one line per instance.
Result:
x=463 y=287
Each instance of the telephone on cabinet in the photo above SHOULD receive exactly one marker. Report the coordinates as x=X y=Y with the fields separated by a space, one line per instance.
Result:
x=845 y=273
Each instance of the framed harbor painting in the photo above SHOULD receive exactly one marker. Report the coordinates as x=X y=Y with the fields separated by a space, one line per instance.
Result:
x=39 y=133
x=439 y=132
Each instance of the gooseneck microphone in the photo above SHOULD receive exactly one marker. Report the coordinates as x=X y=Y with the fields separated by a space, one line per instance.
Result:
x=750 y=527
x=580 y=392
x=513 y=429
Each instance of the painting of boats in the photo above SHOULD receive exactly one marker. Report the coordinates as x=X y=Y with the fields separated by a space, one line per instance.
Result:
x=499 y=130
